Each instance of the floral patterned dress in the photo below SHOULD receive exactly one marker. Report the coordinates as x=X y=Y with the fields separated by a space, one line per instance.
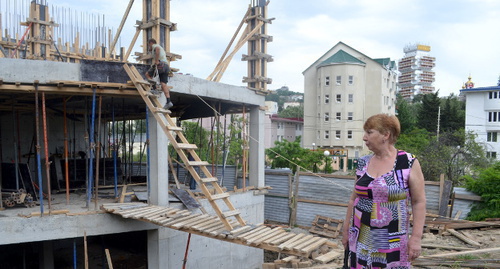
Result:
x=378 y=235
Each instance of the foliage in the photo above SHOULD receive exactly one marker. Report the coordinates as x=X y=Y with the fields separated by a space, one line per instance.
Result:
x=428 y=113
x=286 y=154
x=406 y=115
x=292 y=112
x=486 y=185
x=281 y=96
x=197 y=135
x=453 y=154
x=414 y=141
x=235 y=140
x=452 y=114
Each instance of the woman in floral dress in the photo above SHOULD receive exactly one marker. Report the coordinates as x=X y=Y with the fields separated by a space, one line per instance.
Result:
x=389 y=186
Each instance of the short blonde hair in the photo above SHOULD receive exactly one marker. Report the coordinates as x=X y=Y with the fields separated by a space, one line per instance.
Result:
x=384 y=124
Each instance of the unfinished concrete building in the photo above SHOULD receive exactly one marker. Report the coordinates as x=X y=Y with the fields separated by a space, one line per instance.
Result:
x=67 y=157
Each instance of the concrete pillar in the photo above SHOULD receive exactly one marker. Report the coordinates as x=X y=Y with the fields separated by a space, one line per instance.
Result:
x=158 y=187
x=158 y=248
x=47 y=255
x=256 y=160
x=158 y=150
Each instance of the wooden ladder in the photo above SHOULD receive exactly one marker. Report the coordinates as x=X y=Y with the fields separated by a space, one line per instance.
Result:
x=184 y=149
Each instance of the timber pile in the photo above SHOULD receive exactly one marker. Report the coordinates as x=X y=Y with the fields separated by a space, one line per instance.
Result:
x=261 y=236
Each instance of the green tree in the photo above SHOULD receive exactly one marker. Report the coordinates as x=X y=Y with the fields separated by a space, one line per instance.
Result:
x=453 y=155
x=414 y=141
x=406 y=115
x=486 y=185
x=292 y=112
x=286 y=154
x=428 y=113
x=452 y=114
x=197 y=135
x=235 y=140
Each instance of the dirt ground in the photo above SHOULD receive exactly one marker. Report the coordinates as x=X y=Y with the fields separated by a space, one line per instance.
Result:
x=487 y=238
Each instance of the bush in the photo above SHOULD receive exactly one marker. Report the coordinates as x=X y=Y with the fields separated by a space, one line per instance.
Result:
x=486 y=185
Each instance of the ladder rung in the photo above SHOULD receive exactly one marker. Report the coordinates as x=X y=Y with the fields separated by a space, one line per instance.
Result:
x=143 y=82
x=200 y=163
x=161 y=110
x=219 y=196
x=174 y=128
x=186 y=146
x=151 y=94
x=231 y=213
x=209 y=179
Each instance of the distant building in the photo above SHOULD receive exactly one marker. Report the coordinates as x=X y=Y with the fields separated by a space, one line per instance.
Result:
x=287 y=104
x=416 y=74
x=281 y=129
x=482 y=115
x=341 y=90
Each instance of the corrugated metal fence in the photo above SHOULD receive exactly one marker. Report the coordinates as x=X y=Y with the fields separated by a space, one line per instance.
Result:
x=328 y=195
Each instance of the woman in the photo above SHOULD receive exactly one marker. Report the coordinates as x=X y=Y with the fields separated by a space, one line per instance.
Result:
x=377 y=219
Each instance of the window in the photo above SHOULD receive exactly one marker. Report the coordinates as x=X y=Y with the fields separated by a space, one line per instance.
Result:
x=493 y=116
x=327 y=134
x=337 y=134
x=349 y=134
x=338 y=116
x=491 y=154
x=350 y=116
x=339 y=80
x=327 y=98
x=327 y=81
x=351 y=98
x=494 y=95
x=327 y=116
x=492 y=137
x=351 y=80
x=339 y=98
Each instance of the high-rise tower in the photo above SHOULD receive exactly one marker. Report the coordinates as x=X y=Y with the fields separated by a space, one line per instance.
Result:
x=416 y=74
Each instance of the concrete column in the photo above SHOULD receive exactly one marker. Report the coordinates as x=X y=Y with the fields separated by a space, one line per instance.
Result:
x=256 y=160
x=158 y=149
x=47 y=255
x=158 y=187
x=158 y=248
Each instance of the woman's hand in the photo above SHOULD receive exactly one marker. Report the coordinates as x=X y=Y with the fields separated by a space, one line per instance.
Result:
x=414 y=248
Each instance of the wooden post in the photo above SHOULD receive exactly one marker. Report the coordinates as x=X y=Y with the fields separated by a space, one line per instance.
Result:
x=295 y=197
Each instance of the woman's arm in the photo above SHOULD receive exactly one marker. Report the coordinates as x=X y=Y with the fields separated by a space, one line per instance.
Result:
x=348 y=215
x=417 y=191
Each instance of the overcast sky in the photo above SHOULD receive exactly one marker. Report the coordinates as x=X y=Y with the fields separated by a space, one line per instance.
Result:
x=464 y=35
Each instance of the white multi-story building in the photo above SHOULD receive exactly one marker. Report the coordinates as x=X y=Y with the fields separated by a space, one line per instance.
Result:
x=416 y=74
x=482 y=115
x=341 y=90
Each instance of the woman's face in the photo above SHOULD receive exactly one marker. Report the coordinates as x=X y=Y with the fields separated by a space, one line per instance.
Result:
x=373 y=138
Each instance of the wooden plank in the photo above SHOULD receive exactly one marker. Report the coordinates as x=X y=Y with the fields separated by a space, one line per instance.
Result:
x=208 y=224
x=259 y=234
x=445 y=247
x=313 y=246
x=483 y=250
x=294 y=239
x=291 y=245
x=328 y=257
x=279 y=239
x=464 y=238
x=190 y=222
x=274 y=232
x=243 y=236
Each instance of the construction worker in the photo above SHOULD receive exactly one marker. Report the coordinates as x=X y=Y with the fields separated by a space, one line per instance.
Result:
x=159 y=64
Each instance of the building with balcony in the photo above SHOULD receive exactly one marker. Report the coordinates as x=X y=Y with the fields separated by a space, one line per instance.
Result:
x=416 y=71
x=482 y=115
